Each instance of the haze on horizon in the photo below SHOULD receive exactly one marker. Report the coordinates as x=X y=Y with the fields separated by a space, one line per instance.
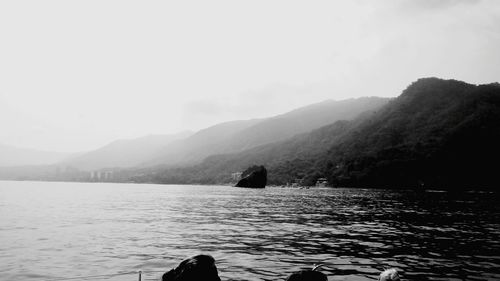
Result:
x=77 y=75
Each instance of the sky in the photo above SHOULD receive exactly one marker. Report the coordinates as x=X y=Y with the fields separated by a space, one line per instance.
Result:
x=76 y=75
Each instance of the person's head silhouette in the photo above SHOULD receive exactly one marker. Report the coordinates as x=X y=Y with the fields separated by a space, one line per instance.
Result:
x=197 y=268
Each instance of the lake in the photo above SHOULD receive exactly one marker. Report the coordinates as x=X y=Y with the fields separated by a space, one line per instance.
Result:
x=53 y=231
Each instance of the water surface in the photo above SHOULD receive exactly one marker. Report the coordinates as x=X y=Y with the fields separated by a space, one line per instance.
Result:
x=50 y=231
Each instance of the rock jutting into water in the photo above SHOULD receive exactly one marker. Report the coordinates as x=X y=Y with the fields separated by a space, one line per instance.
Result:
x=253 y=177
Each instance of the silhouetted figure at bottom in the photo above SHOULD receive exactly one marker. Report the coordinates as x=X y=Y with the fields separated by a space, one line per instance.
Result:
x=197 y=268
x=202 y=268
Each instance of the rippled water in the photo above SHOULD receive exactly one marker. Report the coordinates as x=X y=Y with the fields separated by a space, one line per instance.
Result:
x=54 y=230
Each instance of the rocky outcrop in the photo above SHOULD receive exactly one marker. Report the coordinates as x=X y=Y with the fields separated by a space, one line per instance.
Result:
x=253 y=177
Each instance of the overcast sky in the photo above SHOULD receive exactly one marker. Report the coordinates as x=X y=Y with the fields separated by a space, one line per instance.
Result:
x=75 y=75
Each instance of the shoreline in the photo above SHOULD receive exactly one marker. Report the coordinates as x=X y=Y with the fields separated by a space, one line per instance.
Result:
x=429 y=190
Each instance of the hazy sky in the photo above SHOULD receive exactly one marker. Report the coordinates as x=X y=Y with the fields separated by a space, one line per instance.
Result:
x=75 y=75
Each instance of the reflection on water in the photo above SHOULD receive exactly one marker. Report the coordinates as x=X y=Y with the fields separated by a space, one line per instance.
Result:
x=53 y=230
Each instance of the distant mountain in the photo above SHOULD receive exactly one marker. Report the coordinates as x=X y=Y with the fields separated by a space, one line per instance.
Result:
x=237 y=136
x=302 y=120
x=123 y=153
x=436 y=134
x=189 y=149
x=16 y=156
x=199 y=145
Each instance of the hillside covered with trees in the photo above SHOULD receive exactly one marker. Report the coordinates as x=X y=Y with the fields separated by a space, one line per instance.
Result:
x=436 y=134
x=238 y=136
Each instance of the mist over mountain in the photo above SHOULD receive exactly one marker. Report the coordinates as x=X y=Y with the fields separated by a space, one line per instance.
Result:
x=16 y=156
x=188 y=149
x=237 y=136
x=123 y=153
x=199 y=145
x=437 y=133
x=302 y=120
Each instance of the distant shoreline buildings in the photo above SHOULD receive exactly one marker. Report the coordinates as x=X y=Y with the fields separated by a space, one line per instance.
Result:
x=101 y=175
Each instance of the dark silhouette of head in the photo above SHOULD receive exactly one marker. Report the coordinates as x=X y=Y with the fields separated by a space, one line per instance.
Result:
x=307 y=275
x=197 y=268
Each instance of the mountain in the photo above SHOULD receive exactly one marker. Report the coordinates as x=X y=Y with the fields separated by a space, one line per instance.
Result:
x=237 y=136
x=436 y=134
x=302 y=120
x=123 y=153
x=15 y=156
x=199 y=145
x=189 y=149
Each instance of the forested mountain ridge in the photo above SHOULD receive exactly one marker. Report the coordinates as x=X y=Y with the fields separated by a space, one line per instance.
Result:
x=128 y=155
x=303 y=120
x=237 y=136
x=437 y=133
x=199 y=145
